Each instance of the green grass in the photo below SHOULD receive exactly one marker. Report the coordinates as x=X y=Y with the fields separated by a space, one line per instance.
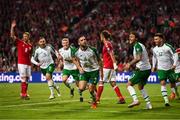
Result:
x=65 y=107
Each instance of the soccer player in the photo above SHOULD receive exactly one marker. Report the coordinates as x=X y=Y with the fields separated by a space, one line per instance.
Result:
x=177 y=73
x=109 y=67
x=141 y=73
x=69 y=67
x=88 y=62
x=45 y=61
x=165 y=60
x=24 y=55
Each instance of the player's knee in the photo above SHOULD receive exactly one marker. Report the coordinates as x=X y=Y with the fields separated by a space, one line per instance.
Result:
x=163 y=82
x=140 y=87
x=128 y=84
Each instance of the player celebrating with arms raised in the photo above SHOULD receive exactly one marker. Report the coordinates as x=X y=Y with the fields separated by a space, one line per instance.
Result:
x=24 y=63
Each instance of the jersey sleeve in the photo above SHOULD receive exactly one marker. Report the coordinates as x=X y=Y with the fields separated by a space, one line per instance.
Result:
x=173 y=53
x=95 y=52
x=176 y=59
x=34 y=57
x=154 y=59
x=55 y=52
x=138 y=49
x=73 y=51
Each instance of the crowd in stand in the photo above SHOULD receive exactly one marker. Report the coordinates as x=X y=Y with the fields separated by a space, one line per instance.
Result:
x=58 y=18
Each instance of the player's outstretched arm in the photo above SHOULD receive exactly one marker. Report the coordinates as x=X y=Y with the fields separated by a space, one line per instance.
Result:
x=13 y=25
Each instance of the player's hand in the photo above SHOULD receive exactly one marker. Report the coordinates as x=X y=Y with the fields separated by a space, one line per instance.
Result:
x=39 y=64
x=13 y=24
x=127 y=66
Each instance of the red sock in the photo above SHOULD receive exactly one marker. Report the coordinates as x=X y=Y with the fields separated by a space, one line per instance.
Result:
x=118 y=92
x=99 y=92
x=23 y=88
x=26 y=88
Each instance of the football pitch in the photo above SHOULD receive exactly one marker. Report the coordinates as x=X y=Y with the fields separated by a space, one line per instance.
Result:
x=65 y=107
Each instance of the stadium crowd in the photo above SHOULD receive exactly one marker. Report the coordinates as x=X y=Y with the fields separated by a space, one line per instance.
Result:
x=58 y=18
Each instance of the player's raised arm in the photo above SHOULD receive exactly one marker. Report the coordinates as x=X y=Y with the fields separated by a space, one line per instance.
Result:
x=12 y=33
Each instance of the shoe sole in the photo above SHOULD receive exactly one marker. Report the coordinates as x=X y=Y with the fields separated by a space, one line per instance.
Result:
x=130 y=106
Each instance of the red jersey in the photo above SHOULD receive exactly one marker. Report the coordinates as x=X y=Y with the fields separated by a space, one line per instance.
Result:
x=107 y=61
x=24 y=52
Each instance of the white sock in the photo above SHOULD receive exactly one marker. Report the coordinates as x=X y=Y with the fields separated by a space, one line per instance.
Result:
x=164 y=94
x=177 y=84
x=132 y=93
x=56 y=87
x=145 y=95
x=173 y=90
x=51 y=86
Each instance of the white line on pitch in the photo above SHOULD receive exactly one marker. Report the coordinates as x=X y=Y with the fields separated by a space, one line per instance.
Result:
x=51 y=102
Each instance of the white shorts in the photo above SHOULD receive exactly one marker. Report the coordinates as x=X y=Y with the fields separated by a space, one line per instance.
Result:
x=109 y=75
x=24 y=70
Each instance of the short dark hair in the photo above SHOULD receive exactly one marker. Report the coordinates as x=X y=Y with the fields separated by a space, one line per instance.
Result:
x=135 y=34
x=41 y=37
x=159 y=35
x=107 y=34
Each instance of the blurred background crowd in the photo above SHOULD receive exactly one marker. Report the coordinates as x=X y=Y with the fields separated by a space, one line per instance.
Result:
x=54 y=19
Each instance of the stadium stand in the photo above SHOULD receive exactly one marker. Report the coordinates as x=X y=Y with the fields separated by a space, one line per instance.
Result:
x=54 y=19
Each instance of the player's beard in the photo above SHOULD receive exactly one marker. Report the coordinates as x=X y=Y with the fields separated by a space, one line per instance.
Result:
x=43 y=45
x=84 y=47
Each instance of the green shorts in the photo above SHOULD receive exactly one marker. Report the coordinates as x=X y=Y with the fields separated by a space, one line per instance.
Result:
x=49 y=69
x=140 y=77
x=90 y=77
x=74 y=73
x=166 y=74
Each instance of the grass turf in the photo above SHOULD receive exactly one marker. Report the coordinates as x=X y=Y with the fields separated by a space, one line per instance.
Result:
x=65 y=107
